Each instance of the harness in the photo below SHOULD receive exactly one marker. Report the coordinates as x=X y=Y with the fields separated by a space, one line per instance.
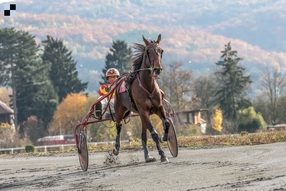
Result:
x=128 y=82
x=135 y=74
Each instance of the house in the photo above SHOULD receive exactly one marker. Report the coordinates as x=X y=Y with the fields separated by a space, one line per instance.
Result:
x=6 y=114
x=192 y=117
x=277 y=127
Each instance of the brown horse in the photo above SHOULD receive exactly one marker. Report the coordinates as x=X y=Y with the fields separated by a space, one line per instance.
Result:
x=145 y=95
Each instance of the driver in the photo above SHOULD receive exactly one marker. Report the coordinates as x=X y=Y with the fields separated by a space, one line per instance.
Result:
x=111 y=75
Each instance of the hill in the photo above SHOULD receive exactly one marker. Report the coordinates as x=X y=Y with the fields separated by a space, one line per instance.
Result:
x=193 y=31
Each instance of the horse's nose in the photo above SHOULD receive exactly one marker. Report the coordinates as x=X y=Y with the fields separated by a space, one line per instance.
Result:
x=158 y=70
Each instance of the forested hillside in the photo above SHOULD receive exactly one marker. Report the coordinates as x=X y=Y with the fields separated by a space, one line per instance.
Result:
x=193 y=31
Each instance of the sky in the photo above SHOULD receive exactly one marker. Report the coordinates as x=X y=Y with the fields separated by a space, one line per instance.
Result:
x=3 y=1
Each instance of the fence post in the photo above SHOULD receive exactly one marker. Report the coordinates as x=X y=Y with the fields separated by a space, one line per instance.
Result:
x=45 y=149
x=62 y=148
x=12 y=151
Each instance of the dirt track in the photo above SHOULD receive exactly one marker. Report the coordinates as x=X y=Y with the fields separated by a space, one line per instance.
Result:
x=261 y=167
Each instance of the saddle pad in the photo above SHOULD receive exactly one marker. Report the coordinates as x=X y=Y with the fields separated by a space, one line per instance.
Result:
x=122 y=87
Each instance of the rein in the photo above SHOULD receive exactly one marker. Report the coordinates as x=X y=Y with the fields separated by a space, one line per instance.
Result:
x=150 y=94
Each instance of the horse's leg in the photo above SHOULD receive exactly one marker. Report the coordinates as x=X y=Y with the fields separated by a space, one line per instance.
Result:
x=119 y=111
x=161 y=113
x=156 y=139
x=117 y=140
x=147 y=157
x=155 y=136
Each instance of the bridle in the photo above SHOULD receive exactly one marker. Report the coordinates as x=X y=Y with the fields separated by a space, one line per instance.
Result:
x=151 y=67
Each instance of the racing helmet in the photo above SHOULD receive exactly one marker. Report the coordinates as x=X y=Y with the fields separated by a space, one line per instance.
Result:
x=112 y=72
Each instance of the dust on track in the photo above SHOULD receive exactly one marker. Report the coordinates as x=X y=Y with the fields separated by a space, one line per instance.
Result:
x=260 y=167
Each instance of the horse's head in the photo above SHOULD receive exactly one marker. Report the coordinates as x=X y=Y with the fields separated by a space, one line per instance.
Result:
x=154 y=54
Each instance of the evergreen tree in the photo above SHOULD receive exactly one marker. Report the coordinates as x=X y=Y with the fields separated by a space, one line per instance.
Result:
x=232 y=83
x=63 y=73
x=23 y=71
x=8 y=45
x=118 y=57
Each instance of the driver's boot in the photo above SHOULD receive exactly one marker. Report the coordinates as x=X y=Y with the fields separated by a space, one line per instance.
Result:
x=98 y=110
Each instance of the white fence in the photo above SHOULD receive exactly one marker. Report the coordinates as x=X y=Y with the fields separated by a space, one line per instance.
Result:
x=62 y=147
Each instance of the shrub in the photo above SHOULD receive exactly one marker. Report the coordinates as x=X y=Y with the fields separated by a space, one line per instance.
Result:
x=242 y=133
x=189 y=129
x=250 y=121
x=4 y=126
x=29 y=148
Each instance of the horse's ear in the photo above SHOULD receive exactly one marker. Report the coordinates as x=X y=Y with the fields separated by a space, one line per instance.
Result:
x=158 y=39
x=145 y=41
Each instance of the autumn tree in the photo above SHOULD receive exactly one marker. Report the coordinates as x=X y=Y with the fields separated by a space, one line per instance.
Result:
x=69 y=113
x=63 y=73
x=232 y=83
x=176 y=83
x=118 y=57
x=4 y=95
x=217 y=120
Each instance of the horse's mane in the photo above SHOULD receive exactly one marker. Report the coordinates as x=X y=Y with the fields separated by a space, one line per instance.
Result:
x=137 y=56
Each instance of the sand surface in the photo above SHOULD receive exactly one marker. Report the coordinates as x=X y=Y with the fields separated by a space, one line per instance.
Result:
x=261 y=167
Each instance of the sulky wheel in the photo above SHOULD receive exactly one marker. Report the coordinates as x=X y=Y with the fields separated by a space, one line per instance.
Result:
x=172 y=139
x=83 y=151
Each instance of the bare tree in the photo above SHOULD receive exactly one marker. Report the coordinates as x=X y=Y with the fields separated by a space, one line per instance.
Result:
x=261 y=105
x=204 y=90
x=281 y=109
x=273 y=83
x=176 y=84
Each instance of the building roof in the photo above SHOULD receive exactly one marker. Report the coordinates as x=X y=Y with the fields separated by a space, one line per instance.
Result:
x=4 y=109
x=192 y=111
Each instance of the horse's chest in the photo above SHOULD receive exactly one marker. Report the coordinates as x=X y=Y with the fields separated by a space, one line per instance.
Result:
x=153 y=101
x=145 y=101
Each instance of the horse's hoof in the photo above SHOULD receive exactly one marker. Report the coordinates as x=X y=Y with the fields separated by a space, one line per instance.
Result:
x=164 y=159
x=150 y=159
x=115 y=152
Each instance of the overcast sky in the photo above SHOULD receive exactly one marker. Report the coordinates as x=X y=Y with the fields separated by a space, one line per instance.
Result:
x=3 y=1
